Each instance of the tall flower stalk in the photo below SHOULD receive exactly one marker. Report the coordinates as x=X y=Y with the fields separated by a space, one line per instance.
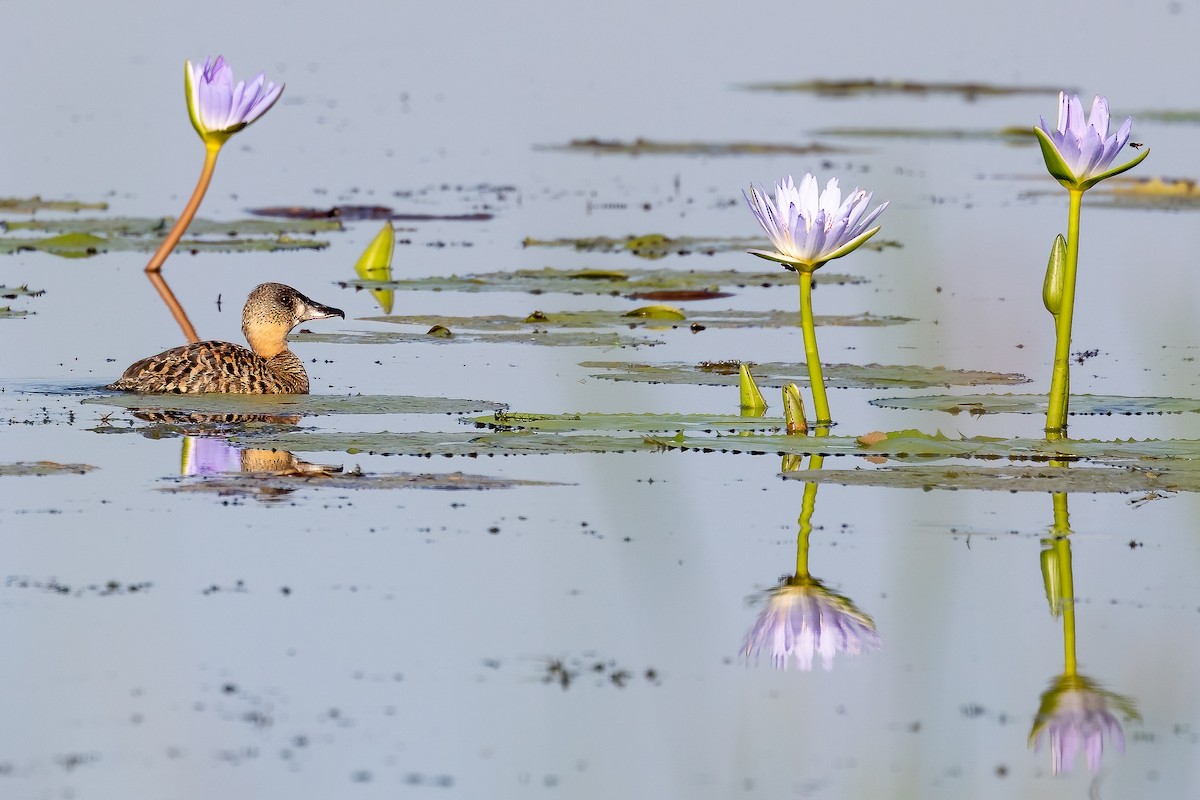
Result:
x=808 y=229
x=218 y=109
x=1078 y=153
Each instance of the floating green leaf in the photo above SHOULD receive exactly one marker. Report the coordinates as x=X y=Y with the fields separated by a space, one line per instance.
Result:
x=303 y=404
x=870 y=86
x=1013 y=135
x=31 y=205
x=978 y=404
x=630 y=423
x=440 y=334
x=645 y=147
x=83 y=245
x=1025 y=478
x=656 y=245
x=159 y=226
x=604 y=282
x=41 y=468
x=869 y=376
x=561 y=320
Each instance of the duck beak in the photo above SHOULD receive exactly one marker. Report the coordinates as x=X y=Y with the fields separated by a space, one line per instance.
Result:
x=318 y=311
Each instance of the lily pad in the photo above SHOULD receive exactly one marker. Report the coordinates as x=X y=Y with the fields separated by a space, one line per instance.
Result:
x=443 y=335
x=634 y=423
x=871 y=86
x=302 y=404
x=1013 y=135
x=159 y=226
x=358 y=213
x=644 y=147
x=1081 y=404
x=603 y=282
x=869 y=376
x=40 y=468
x=608 y=319
x=906 y=446
x=1165 y=115
x=1025 y=478
x=83 y=245
x=656 y=245
x=31 y=205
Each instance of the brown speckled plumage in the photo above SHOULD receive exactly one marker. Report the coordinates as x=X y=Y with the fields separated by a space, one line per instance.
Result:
x=271 y=311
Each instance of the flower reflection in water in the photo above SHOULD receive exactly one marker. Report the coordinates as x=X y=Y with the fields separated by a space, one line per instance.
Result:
x=802 y=617
x=1075 y=713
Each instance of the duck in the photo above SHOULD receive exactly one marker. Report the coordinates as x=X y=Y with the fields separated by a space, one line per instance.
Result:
x=268 y=367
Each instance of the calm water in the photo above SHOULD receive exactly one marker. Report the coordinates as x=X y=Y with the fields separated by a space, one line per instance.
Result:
x=337 y=642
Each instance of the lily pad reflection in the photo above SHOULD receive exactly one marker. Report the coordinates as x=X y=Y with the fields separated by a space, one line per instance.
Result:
x=303 y=404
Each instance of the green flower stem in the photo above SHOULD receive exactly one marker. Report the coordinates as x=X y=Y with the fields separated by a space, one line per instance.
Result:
x=811 y=356
x=1063 y=546
x=1060 y=380
x=807 y=505
x=211 y=149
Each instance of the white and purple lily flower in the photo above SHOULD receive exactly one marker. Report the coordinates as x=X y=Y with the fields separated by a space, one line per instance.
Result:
x=1079 y=152
x=808 y=228
x=218 y=107
x=802 y=618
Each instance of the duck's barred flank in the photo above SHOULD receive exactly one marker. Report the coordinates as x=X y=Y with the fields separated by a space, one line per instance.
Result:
x=215 y=367
x=271 y=311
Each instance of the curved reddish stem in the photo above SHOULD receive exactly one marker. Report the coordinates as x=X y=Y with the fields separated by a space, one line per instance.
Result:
x=168 y=297
x=189 y=211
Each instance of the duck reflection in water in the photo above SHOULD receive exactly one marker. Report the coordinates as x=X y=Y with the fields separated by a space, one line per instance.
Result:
x=207 y=456
x=802 y=617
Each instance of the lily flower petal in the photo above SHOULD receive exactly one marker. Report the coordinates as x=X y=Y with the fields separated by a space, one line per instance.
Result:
x=217 y=106
x=807 y=226
x=1079 y=152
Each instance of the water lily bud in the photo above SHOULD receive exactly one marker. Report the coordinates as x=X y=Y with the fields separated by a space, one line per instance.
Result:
x=793 y=411
x=752 y=401
x=1052 y=288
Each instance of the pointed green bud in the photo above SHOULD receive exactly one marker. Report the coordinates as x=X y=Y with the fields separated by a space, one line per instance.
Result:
x=1056 y=269
x=1052 y=577
x=752 y=402
x=375 y=264
x=793 y=411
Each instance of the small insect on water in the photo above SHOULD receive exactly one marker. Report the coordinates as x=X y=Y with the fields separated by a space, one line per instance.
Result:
x=1136 y=145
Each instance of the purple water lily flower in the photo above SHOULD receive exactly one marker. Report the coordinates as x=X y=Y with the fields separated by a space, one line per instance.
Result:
x=1076 y=714
x=808 y=228
x=803 y=618
x=217 y=106
x=1084 y=149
